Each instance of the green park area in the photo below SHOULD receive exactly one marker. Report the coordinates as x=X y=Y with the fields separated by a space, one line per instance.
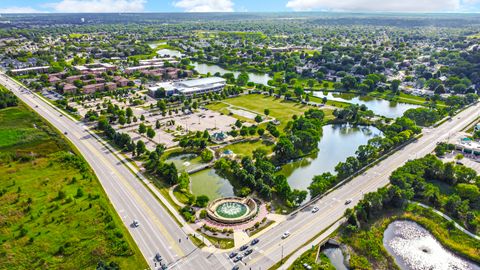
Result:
x=279 y=108
x=54 y=212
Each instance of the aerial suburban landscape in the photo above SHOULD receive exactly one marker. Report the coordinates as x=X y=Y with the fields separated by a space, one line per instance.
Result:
x=226 y=134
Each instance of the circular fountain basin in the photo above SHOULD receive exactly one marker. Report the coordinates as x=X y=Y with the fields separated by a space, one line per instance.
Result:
x=232 y=210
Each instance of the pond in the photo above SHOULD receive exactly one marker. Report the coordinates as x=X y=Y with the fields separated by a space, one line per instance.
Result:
x=207 y=182
x=259 y=78
x=185 y=162
x=156 y=44
x=378 y=106
x=169 y=52
x=338 y=142
x=414 y=248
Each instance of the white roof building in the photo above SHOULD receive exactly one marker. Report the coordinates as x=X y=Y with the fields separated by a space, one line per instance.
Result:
x=191 y=87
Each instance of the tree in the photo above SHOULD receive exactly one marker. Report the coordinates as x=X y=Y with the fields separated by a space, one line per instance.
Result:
x=206 y=155
x=298 y=91
x=150 y=133
x=260 y=132
x=266 y=112
x=394 y=85
x=258 y=118
x=157 y=124
x=129 y=112
x=142 y=128
x=202 y=201
x=141 y=148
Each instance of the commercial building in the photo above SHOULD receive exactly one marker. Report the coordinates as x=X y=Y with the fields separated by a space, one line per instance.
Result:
x=190 y=87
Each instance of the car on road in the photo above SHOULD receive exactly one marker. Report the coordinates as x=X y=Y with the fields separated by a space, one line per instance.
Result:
x=236 y=267
x=238 y=258
x=255 y=241
x=459 y=163
x=348 y=201
x=164 y=266
x=233 y=254
x=36 y=106
x=135 y=223
x=285 y=234
x=60 y=115
x=242 y=248
x=158 y=257
x=248 y=252
x=66 y=133
x=315 y=209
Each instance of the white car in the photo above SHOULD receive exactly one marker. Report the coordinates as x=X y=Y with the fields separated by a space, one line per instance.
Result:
x=315 y=209
x=285 y=234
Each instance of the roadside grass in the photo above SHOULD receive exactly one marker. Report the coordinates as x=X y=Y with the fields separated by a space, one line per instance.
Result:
x=54 y=211
x=196 y=241
x=247 y=148
x=221 y=243
x=309 y=257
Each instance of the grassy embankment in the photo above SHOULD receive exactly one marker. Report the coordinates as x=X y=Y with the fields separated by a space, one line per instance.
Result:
x=309 y=257
x=54 y=212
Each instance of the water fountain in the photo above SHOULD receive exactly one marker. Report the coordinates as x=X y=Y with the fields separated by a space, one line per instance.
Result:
x=232 y=210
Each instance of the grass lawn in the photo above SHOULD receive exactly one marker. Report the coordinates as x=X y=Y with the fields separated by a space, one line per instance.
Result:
x=54 y=212
x=280 y=109
x=221 y=243
x=247 y=148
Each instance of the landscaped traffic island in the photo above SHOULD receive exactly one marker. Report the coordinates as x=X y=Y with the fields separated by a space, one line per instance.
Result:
x=232 y=210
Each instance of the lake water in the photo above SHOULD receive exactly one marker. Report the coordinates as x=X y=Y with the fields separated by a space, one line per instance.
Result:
x=185 y=162
x=258 y=78
x=414 y=248
x=168 y=52
x=338 y=142
x=207 y=182
x=378 y=106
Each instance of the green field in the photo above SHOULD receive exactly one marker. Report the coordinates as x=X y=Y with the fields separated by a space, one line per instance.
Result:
x=247 y=148
x=54 y=212
x=279 y=109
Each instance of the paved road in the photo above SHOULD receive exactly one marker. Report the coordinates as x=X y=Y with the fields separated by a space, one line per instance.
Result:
x=158 y=232
x=304 y=225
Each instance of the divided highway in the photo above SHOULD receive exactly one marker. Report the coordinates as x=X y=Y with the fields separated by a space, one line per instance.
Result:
x=158 y=232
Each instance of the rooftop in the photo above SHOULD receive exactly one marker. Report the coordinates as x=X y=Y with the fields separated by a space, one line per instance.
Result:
x=201 y=82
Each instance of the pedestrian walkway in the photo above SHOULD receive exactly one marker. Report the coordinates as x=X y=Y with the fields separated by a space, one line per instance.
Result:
x=458 y=226
x=241 y=238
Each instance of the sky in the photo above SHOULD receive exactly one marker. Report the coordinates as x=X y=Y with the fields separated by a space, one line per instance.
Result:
x=79 y=6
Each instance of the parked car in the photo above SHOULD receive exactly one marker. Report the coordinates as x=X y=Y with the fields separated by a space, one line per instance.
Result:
x=242 y=248
x=255 y=241
x=158 y=257
x=285 y=234
x=236 y=267
x=315 y=209
x=248 y=252
x=238 y=258
x=233 y=254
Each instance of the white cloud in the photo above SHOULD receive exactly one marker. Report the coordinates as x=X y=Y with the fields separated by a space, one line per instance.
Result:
x=19 y=10
x=205 y=5
x=79 y=6
x=376 y=5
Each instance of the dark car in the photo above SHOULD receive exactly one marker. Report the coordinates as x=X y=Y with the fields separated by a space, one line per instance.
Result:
x=255 y=241
x=233 y=254
x=242 y=248
x=66 y=133
x=238 y=258
x=158 y=258
x=248 y=252
x=236 y=267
